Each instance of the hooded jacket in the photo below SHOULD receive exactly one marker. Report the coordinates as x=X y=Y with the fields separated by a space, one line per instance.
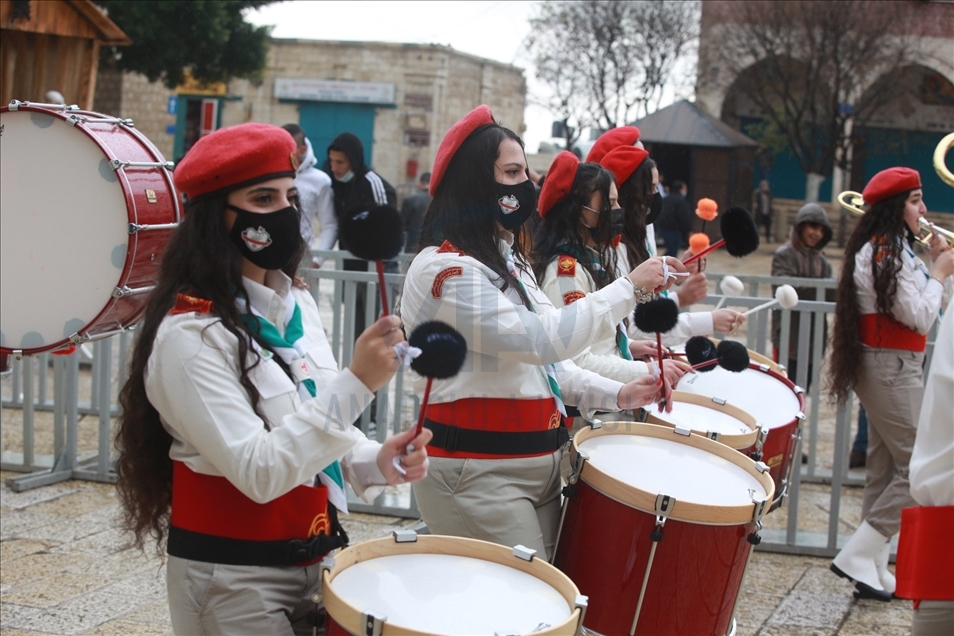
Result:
x=796 y=259
x=366 y=189
x=315 y=195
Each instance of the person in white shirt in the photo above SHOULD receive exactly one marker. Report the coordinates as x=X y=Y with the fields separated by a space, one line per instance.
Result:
x=315 y=197
x=498 y=425
x=236 y=437
x=886 y=303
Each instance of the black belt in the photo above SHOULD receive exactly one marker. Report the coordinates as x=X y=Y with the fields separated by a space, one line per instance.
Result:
x=467 y=440
x=208 y=548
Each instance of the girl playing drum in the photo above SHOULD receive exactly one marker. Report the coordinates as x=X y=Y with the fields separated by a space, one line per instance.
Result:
x=495 y=460
x=236 y=430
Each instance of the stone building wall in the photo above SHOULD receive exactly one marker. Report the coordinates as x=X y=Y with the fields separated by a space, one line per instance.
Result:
x=133 y=96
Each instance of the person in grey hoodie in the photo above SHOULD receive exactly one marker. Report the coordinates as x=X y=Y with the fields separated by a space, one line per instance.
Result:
x=314 y=196
x=802 y=257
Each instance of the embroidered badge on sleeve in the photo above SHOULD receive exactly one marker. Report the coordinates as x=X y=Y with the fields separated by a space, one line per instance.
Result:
x=571 y=297
x=437 y=289
x=566 y=266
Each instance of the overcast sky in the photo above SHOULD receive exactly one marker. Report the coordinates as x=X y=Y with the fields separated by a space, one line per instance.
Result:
x=493 y=30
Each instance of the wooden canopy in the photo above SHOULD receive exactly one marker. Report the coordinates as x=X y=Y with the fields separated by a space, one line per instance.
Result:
x=52 y=45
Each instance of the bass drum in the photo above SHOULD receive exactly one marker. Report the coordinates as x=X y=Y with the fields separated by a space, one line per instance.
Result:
x=86 y=209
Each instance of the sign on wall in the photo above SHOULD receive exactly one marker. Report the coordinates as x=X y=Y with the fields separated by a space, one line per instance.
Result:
x=334 y=91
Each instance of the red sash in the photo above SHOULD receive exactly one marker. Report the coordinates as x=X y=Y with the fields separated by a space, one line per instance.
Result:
x=885 y=332
x=211 y=505
x=499 y=415
x=925 y=563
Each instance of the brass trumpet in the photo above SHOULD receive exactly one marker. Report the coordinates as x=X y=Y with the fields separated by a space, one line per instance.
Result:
x=853 y=201
x=942 y=147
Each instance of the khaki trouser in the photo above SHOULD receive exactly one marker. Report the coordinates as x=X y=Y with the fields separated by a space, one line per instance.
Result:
x=211 y=598
x=933 y=618
x=504 y=501
x=891 y=389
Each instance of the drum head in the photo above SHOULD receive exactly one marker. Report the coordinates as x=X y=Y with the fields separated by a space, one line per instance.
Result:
x=767 y=397
x=669 y=467
x=63 y=237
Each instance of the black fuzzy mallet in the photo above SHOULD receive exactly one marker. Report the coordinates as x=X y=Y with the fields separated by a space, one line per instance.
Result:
x=733 y=356
x=740 y=235
x=659 y=316
x=375 y=234
x=443 y=351
x=701 y=353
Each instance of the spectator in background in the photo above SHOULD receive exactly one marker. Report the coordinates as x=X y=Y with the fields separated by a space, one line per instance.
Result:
x=676 y=219
x=355 y=186
x=802 y=257
x=413 y=210
x=762 y=207
x=314 y=196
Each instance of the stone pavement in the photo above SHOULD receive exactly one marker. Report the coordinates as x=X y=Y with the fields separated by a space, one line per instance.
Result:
x=65 y=569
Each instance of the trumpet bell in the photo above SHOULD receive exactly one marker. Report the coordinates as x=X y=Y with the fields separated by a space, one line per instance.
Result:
x=939 y=155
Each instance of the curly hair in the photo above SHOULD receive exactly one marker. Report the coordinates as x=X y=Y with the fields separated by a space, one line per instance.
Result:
x=560 y=229
x=884 y=226
x=200 y=260
x=464 y=208
x=635 y=197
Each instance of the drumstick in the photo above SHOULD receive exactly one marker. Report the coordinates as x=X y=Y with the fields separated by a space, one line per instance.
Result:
x=443 y=351
x=729 y=286
x=376 y=234
x=785 y=295
x=658 y=316
x=740 y=235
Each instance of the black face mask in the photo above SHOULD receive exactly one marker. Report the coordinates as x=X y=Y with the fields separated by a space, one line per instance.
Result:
x=654 y=209
x=268 y=240
x=602 y=234
x=515 y=203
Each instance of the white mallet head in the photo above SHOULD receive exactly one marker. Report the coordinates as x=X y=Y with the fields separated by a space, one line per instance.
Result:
x=731 y=286
x=786 y=296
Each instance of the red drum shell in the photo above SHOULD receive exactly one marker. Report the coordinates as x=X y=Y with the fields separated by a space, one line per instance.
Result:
x=773 y=400
x=150 y=199
x=605 y=543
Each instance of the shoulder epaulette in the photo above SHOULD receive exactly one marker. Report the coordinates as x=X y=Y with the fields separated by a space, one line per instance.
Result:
x=185 y=304
x=447 y=248
x=566 y=265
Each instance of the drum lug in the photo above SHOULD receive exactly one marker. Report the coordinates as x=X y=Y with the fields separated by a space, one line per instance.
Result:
x=523 y=552
x=713 y=435
x=681 y=430
x=78 y=338
x=17 y=354
x=719 y=401
x=762 y=467
x=15 y=104
x=404 y=536
x=117 y=164
x=581 y=602
x=764 y=368
x=596 y=424
x=800 y=416
x=577 y=470
x=132 y=228
x=663 y=507
x=119 y=292
x=371 y=625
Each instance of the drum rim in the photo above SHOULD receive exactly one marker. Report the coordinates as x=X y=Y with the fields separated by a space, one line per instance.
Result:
x=736 y=441
x=349 y=617
x=127 y=192
x=691 y=512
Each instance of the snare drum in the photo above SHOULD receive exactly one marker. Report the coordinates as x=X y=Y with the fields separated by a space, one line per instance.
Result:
x=431 y=584
x=775 y=403
x=658 y=528
x=86 y=208
x=711 y=417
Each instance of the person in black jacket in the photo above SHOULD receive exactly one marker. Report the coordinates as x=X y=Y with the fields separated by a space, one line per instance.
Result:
x=675 y=220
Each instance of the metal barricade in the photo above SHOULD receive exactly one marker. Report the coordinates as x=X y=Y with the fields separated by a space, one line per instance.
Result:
x=50 y=386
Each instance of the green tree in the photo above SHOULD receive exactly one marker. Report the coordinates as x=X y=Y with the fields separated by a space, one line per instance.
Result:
x=210 y=39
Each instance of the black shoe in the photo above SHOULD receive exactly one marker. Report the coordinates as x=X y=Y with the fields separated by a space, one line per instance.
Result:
x=863 y=590
x=857 y=459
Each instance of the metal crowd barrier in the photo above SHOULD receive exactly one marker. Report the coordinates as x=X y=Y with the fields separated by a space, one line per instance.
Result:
x=29 y=389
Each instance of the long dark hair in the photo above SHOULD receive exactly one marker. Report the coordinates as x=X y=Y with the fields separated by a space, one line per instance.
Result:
x=200 y=260
x=883 y=224
x=464 y=208
x=560 y=230
x=635 y=197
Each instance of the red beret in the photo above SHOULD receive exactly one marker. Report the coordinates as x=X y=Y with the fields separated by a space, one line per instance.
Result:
x=236 y=157
x=623 y=161
x=613 y=138
x=559 y=181
x=889 y=183
x=460 y=131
